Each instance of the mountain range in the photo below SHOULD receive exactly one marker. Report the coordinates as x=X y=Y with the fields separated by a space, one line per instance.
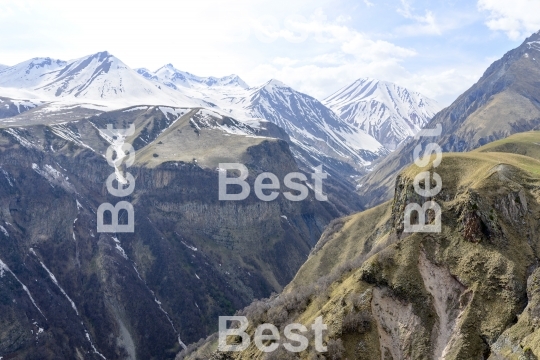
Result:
x=100 y=78
x=310 y=124
x=144 y=294
x=468 y=292
x=104 y=80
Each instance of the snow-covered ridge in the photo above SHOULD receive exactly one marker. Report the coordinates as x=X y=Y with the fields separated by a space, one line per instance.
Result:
x=172 y=77
x=386 y=111
x=18 y=105
x=100 y=78
x=30 y=73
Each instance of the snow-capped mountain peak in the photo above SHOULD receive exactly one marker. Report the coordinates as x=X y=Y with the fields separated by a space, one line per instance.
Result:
x=230 y=80
x=388 y=112
x=273 y=85
x=276 y=83
x=77 y=77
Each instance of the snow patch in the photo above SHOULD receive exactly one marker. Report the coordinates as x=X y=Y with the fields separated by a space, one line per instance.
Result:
x=93 y=347
x=20 y=139
x=54 y=177
x=119 y=248
x=63 y=131
x=192 y=248
x=534 y=45
x=173 y=111
x=136 y=108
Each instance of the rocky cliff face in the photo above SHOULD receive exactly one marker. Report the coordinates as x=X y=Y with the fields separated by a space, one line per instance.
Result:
x=67 y=291
x=468 y=292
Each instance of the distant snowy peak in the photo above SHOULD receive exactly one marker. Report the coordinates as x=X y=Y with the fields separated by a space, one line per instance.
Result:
x=310 y=124
x=388 y=112
x=86 y=75
x=371 y=89
x=2 y=67
x=229 y=80
x=172 y=77
x=274 y=92
x=273 y=83
x=29 y=73
x=100 y=77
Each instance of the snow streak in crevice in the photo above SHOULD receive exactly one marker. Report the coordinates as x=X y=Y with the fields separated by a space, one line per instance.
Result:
x=55 y=281
x=4 y=267
x=159 y=305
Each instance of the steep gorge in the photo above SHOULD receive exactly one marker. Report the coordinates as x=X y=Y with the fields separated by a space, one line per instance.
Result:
x=468 y=292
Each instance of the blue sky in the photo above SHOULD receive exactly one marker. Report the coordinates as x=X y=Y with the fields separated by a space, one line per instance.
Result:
x=436 y=47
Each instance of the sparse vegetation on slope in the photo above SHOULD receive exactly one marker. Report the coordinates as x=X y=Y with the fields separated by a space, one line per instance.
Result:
x=469 y=292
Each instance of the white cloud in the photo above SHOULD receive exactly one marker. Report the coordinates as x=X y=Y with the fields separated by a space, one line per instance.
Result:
x=345 y=54
x=368 y=3
x=294 y=41
x=348 y=54
x=442 y=83
x=350 y=41
x=365 y=48
x=517 y=18
x=284 y=61
x=424 y=25
x=436 y=21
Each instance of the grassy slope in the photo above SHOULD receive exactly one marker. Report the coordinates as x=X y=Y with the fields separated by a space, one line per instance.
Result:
x=346 y=242
x=181 y=142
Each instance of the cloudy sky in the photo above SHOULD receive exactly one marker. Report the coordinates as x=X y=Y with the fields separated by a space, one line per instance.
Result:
x=436 y=47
